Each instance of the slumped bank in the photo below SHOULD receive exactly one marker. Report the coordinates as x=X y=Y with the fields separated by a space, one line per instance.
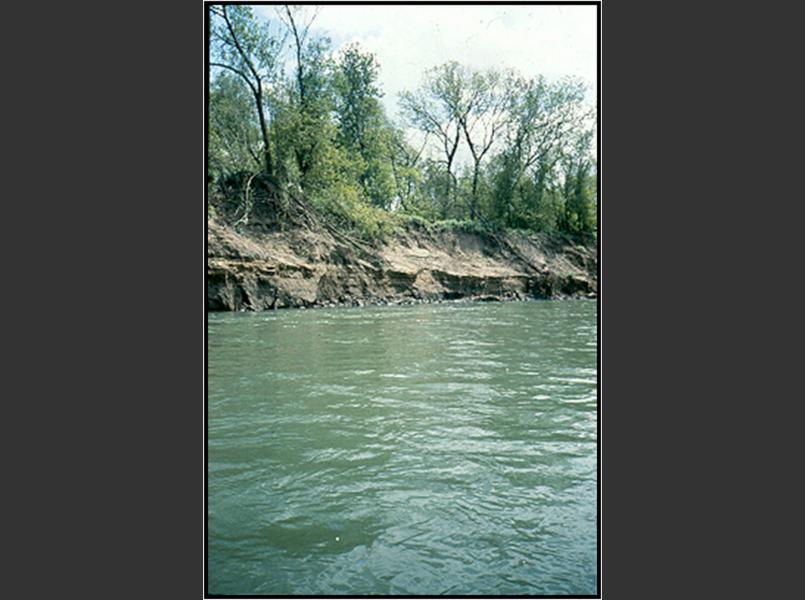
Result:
x=302 y=268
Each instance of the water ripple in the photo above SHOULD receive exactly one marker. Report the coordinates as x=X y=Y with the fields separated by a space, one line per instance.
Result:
x=407 y=450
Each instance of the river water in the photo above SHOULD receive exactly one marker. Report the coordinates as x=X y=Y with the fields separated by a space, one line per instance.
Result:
x=432 y=449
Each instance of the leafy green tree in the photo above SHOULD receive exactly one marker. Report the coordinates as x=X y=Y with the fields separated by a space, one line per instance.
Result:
x=315 y=123
x=298 y=22
x=435 y=109
x=309 y=94
x=233 y=131
x=358 y=109
x=542 y=118
x=247 y=48
x=308 y=126
x=483 y=113
x=405 y=161
x=579 y=185
x=362 y=125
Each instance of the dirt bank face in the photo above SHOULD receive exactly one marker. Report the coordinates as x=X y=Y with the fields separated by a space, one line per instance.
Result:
x=300 y=268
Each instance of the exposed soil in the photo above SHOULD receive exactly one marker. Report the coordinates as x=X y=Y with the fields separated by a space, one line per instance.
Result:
x=307 y=267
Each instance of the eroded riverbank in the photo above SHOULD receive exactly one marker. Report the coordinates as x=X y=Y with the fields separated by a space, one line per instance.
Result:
x=300 y=268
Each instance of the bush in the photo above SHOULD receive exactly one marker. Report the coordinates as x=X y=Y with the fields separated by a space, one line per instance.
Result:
x=343 y=206
x=465 y=225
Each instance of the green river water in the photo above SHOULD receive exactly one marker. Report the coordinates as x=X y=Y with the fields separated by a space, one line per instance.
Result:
x=433 y=449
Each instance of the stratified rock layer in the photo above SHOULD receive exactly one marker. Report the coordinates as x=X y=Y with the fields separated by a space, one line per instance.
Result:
x=304 y=268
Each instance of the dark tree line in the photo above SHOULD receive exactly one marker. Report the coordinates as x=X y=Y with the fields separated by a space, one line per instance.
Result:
x=486 y=147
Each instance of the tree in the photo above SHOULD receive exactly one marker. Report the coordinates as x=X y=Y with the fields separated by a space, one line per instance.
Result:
x=362 y=125
x=314 y=122
x=405 y=160
x=482 y=114
x=245 y=47
x=358 y=108
x=579 y=184
x=435 y=108
x=311 y=95
x=543 y=116
x=234 y=135
x=291 y=15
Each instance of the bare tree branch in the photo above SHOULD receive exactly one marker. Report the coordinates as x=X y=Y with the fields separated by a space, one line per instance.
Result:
x=238 y=71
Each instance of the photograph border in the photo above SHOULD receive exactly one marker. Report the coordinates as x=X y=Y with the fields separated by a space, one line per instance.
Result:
x=598 y=5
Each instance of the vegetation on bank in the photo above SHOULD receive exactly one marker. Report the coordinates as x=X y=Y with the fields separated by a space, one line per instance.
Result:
x=294 y=128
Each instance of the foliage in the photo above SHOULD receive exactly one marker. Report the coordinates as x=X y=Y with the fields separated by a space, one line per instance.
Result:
x=234 y=136
x=343 y=206
x=362 y=129
x=473 y=150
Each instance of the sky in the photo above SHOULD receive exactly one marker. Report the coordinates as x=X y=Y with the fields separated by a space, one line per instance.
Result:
x=553 y=41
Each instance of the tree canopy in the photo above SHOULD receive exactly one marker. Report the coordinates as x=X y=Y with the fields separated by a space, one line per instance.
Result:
x=489 y=148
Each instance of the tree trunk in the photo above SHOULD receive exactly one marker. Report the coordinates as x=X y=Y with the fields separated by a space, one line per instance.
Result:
x=258 y=99
x=474 y=200
x=256 y=87
x=300 y=80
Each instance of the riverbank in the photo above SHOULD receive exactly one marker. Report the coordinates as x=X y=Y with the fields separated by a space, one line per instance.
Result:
x=304 y=268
